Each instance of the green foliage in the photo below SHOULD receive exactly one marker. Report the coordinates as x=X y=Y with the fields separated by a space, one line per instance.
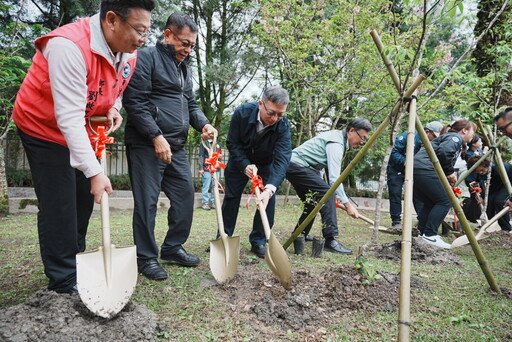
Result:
x=19 y=178
x=366 y=269
x=120 y=182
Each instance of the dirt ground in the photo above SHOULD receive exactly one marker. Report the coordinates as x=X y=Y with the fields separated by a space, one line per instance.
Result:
x=420 y=252
x=500 y=238
x=254 y=296
x=49 y=316
x=316 y=301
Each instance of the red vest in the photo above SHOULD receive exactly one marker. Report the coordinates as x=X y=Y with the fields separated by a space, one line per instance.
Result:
x=34 y=108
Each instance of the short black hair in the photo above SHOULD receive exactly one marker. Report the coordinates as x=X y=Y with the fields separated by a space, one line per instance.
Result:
x=505 y=114
x=177 y=21
x=123 y=7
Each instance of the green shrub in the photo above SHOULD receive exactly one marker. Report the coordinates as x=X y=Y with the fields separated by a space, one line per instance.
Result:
x=120 y=182
x=19 y=178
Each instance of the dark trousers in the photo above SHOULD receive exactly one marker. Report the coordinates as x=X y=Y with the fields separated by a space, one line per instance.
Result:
x=395 y=182
x=235 y=184
x=65 y=206
x=310 y=188
x=429 y=191
x=149 y=175
x=495 y=204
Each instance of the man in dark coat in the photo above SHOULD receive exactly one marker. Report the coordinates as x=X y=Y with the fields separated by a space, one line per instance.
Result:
x=161 y=106
x=258 y=143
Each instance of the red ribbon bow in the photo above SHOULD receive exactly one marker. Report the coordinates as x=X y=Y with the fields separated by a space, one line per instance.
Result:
x=100 y=141
x=476 y=189
x=256 y=182
x=213 y=162
x=338 y=203
x=457 y=191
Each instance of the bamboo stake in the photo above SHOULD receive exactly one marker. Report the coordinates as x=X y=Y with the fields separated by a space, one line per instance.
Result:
x=352 y=164
x=457 y=208
x=404 y=323
x=497 y=159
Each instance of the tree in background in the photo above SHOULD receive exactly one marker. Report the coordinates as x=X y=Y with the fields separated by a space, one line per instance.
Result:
x=13 y=67
x=321 y=52
x=493 y=55
x=52 y=13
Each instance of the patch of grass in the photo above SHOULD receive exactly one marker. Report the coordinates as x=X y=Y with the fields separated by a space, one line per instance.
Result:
x=456 y=306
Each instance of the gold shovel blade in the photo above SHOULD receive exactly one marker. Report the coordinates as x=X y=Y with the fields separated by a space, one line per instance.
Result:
x=106 y=294
x=224 y=255
x=277 y=260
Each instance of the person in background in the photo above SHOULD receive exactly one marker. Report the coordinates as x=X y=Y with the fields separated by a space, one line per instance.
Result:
x=325 y=152
x=503 y=123
x=160 y=107
x=475 y=148
x=472 y=206
x=427 y=186
x=395 y=172
x=80 y=70
x=259 y=143
x=498 y=193
x=207 y=199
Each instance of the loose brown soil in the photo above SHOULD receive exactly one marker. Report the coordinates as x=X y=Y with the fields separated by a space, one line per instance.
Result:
x=316 y=301
x=421 y=252
x=500 y=238
x=49 y=316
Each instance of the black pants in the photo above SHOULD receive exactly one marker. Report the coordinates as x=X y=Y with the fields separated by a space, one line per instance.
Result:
x=310 y=188
x=235 y=184
x=149 y=175
x=495 y=204
x=429 y=191
x=395 y=182
x=65 y=207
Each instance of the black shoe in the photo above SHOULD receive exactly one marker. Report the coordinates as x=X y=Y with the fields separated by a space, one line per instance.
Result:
x=151 y=269
x=180 y=257
x=308 y=238
x=72 y=290
x=259 y=250
x=333 y=246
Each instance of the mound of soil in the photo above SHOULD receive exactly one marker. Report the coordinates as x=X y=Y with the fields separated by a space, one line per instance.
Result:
x=49 y=316
x=500 y=238
x=420 y=252
x=316 y=301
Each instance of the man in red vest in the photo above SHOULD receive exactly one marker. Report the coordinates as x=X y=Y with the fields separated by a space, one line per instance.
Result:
x=79 y=70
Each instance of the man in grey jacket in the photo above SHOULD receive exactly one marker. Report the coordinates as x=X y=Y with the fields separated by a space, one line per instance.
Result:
x=160 y=105
x=325 y=152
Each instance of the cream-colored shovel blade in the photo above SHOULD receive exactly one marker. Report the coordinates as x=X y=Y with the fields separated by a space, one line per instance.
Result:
x=102 y=297
x=224 y=258
x=278 y=262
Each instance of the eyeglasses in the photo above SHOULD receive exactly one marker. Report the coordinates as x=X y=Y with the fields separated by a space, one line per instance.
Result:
x=503 y=129
x=142 y=35
x=184 y=43
x=360 y=137
x=272 y=114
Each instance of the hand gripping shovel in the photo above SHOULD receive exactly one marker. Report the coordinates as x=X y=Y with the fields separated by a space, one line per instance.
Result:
x=489 y=226
x=366 y=219
x=225 y=250
x=106 y=277
x=275 y=256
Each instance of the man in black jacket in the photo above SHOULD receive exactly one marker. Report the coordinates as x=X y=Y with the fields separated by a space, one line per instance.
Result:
x=258 y=143
x=160 y=105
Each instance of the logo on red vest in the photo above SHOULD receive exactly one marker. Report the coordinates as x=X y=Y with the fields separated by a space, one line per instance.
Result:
x=127 y=71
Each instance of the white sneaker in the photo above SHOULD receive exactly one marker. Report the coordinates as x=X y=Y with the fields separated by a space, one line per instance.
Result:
x=436 y=241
